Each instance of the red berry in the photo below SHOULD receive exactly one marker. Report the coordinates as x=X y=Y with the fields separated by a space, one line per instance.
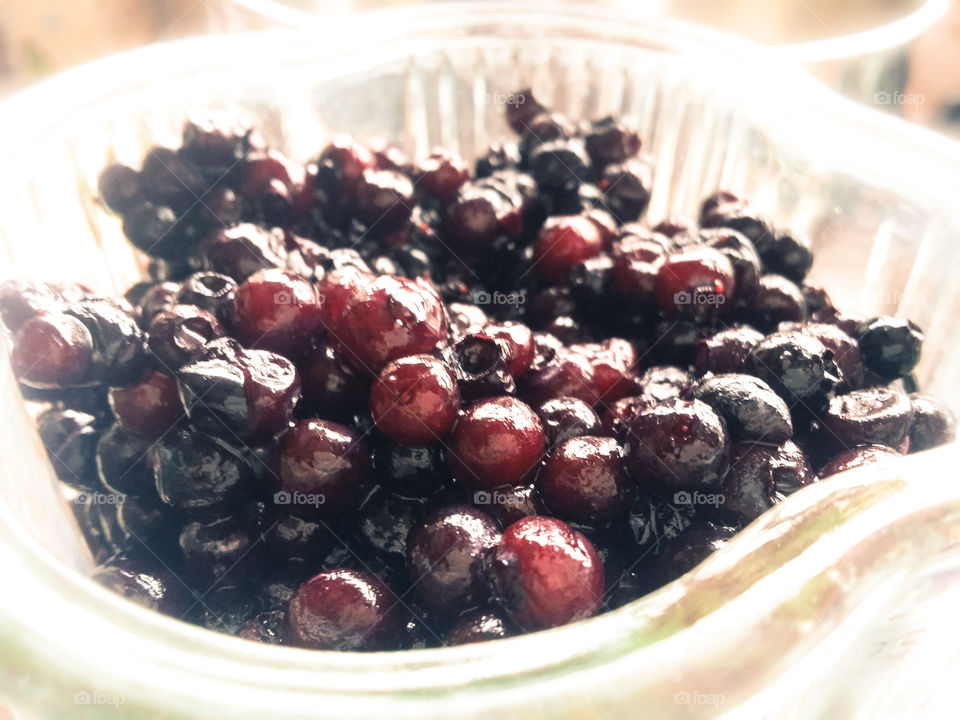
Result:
x=276 y=310
x=497 y=441
x=149 y=408
x=564 y=242
x=695 y=283
x=344 y=610
x=547 y=574
x=415 y=400
x=389 y=318
x=52 y=350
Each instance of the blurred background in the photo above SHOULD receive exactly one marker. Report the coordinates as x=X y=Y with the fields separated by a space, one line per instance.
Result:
x=902 y=56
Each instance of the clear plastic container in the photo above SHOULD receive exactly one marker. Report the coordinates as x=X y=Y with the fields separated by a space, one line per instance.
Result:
x=837 y=603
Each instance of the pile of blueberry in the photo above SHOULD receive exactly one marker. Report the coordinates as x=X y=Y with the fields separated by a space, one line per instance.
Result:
x=366 y=403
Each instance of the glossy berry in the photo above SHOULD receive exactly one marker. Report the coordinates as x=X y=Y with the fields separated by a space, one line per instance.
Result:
x=760 y=474
x=445 y=557
x=194 y=472
x=478 y=626
x=496 y=441
x=219 y=552
x=692 y=547
x=796 y=366
x=143 y=581
x=858 y=457
x=933 y=423
x=695 y=283
x=564 y=418
x=344 y=610
x=176 y=336
x=508 y=503
x=583 y=481
x=750 y=409
x=890 y=346
x=70 y=439
x=122 y=463
x=519 y=339
x=559 y=166
x=320 y=469
x=149 y=408
x=240 y=251
x=546 y=574
x=636 y=265
x=209 y=291
x=415 y=400
x=877 y=416
x=52 y=350
x=389 y=318
x=568 y=374
x=777 y=300
x=411 y=471
x=614 y=363
x=726 y=351
x=677 y=444
x=276 y=310
x=275 y=189
x=245 y=394
x=564 y=242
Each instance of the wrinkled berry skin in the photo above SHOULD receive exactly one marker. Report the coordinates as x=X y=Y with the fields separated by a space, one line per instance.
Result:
x=677 y=444
x=344 y=610
x=583 y=481
x=760 y=474
x=415 y=400
x=890 y=346
x=219 y=552
x=798 y=367
x=877 y=416
x=389 y=318
x=193 y=472
x=933 y=423
x=143 y=581
x=245 y=394
x=751 y=410
x=176 y=336
x=496 y=441
x=445 y=558
x=546 y=574
x=70 y=439
x=321 y=469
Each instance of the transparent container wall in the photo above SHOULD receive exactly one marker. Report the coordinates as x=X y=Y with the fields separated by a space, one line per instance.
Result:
x=875 y=197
